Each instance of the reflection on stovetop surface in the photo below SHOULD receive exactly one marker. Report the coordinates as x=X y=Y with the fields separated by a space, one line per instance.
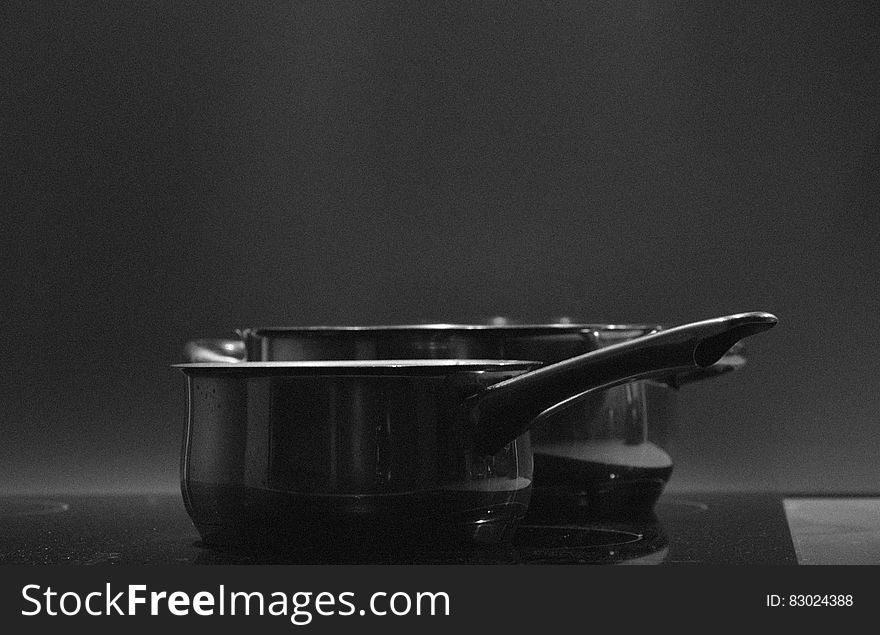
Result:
x=710 y=529
x=533 y=544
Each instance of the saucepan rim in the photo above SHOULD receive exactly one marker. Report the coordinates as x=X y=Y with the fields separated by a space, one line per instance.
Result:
x=447 y=327
x=371 y=367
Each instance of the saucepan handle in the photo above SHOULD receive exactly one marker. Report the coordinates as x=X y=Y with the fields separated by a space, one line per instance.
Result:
x=503 y=411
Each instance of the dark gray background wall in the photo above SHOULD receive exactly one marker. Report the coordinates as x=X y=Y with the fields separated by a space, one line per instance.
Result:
x=172 y=170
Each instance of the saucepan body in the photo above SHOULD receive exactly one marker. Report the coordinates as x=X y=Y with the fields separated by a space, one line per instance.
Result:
x=307 y=451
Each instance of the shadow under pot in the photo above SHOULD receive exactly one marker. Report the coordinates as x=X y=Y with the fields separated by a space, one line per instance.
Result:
x=591 y=458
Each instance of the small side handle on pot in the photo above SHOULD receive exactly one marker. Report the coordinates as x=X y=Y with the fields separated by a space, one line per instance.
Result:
x=734 y=359
x=505 y=410
x=215 y=351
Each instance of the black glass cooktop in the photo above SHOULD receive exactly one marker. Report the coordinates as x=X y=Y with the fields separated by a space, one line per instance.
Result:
x=140 y=529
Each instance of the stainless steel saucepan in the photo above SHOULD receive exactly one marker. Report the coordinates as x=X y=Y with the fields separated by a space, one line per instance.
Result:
x=387 y=449
x=605 y=455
